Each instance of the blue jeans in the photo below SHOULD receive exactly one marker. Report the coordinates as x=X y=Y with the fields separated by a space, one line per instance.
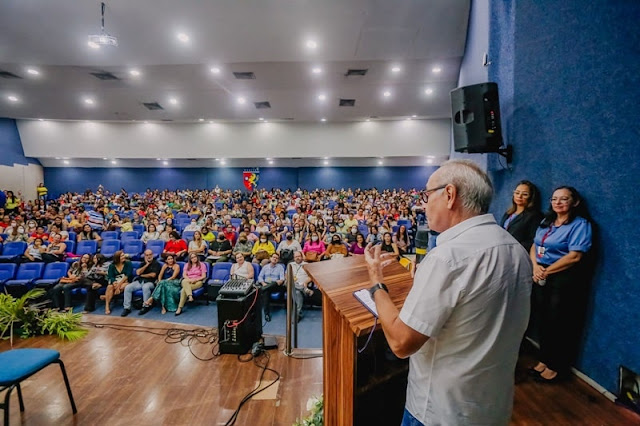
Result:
x=409 y=420
x=147 y=288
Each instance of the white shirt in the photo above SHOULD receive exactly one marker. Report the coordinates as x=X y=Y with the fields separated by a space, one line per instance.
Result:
x=471 y=297
x=284 y=245
x=299 y=274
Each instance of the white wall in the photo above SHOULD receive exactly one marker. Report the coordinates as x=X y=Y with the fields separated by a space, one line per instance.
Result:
x=42 y=139
x=23 y=179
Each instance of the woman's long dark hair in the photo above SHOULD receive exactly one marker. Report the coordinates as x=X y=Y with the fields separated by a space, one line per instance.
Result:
x=580 y=210
x=534 y=197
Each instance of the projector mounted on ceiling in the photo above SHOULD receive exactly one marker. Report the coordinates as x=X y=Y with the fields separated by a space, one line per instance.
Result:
x=102 y=39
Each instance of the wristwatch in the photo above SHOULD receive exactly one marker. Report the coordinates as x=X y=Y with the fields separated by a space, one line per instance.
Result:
x=376 y=287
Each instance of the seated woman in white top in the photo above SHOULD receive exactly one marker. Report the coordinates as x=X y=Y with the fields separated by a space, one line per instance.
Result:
x=150 y=234
x=242 y=268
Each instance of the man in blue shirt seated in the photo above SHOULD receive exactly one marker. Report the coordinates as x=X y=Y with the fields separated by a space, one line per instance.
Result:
x=271 y=279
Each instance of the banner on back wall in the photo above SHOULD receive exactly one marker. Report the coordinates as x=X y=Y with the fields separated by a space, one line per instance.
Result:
x=250 y=178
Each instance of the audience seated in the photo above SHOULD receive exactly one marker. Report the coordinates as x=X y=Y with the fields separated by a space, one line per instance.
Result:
x=193 y=276
x=167 y=292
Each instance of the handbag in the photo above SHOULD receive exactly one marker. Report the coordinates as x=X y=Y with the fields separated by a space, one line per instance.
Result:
x=312 y=256
x=261 y=255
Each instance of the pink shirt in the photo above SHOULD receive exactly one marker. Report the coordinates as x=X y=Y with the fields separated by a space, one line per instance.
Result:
x=195 y=272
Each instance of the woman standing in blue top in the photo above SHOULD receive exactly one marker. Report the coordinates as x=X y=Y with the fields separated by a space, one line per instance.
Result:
x=560 y=243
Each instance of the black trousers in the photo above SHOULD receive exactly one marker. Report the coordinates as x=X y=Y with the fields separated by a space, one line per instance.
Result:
x=265 y=293
x=60 y=291
x=92 y=294
x=560 y=307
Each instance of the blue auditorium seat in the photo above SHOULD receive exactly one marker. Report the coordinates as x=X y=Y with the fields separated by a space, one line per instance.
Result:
x=52 y=274
x=25 y=277
x=12 y=251
x=156 y=246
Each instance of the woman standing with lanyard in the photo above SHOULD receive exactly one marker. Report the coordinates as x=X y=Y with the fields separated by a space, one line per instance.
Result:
x=559 y=245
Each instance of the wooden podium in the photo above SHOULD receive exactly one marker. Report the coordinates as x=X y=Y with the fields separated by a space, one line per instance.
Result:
x=344 y=319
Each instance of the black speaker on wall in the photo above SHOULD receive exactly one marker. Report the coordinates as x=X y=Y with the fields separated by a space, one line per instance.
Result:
x=476 y=118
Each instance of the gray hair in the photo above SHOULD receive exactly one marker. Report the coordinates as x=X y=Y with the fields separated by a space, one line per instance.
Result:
x=472 y=183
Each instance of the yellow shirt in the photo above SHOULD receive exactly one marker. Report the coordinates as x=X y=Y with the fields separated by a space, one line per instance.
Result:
x=209 y=237
x=42 y=190
x=268 y=247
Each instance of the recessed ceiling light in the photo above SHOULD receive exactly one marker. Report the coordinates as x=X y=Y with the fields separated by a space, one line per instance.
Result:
x=368 y=119
x=323 y=119
x=380 y=162
x=429 y=161
x=173 y=101
x=408 y=118
x=386 y=94
x=215 y=70
x=33 y=71
x=242 y=100
x=40 y=119
x=316 y=70
x=396 y=69
x=93 y=45
x=265 y=121
x=89 y=101
x=325 y=158
x=428 y=91
x=326 y=162
x=166 y=163
x=210 y=121
x=413 y=116
x=104 y=158
x=223 y=162
x=158 y=159
x=114 y=162
x=322 y=97
x=66 y=161
x=12 y=98
x=430 y=156
x=57 y=158
x=217 y=159
x=261 y=119
x=311 y=44
x=182 y=37
x=436 y=70
x=270 y=161
x=134 y=72
x=201 y=119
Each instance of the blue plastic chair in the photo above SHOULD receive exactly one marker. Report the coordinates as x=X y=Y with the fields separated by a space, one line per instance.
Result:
x=133 y=248
x=19 y=365
x=182 y=215
x=219 y=275
x=25 y=277
x=52 y=274
x=12 y=251
x=129 y=235
x=156 y=246
x=109 y=248
x=109 y=235
x=72 y=236
x=71 y=246
x=139 y=228
x=85 y=247
x=188 y=235
x=7 y=272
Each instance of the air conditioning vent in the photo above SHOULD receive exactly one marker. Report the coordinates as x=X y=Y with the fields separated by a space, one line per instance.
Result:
x=7 y=74
x=152 y=106
x=356 y=72
x=262 y=105
x=347 y=102
x=244 y=75
x=104 y=76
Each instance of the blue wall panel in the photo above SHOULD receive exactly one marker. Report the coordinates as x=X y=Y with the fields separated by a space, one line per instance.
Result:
x=62 y=179
x=11 y=151
x=568 y=76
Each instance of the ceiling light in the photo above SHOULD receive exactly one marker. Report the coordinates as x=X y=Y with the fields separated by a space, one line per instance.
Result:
x=12 y=98
x=104 y=158
x=182 y=37
x=201 y=119
x=380 y=162
x=261 y=119
x=173 y=101
x=368 y=119
x=40 y=119
x=89 y=101
x=325 y=158
x=166 y=163
x=217 y=159
x=265 y=121
x=114 y=162
x=316 y=70
x=311 y=44
x=66 y=162
x=102 y=39
x=322 y=97
x=323 y=119
x=157 y=159
x=93 y=45
x=429 y=161
x=395 y=69
x=386 y=94
x=242 y=100
x=223 y=162
x=428 y=91
x=134 y=73
x=215 y=70
x=270 y=161
x=33 y=71
x=326 y=162
x=436 y=70
x=430 y=156
x=413 y=116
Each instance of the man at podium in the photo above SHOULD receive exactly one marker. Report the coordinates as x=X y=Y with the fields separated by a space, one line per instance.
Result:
x=463 y=320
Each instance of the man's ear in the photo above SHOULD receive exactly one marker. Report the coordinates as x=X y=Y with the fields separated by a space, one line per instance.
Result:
x=452 y=194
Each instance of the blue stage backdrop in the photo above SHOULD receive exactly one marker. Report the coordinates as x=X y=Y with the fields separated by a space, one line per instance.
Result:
x=568 y=77
x=11 y=151
x=62 y=179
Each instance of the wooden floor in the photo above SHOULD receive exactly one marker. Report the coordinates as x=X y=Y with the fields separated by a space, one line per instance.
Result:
x=129 y=378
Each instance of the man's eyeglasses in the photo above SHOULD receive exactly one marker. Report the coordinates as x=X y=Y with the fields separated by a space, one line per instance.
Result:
x=425 y=194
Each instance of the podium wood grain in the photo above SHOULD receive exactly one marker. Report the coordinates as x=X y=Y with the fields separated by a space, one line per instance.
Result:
x=344 y=320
